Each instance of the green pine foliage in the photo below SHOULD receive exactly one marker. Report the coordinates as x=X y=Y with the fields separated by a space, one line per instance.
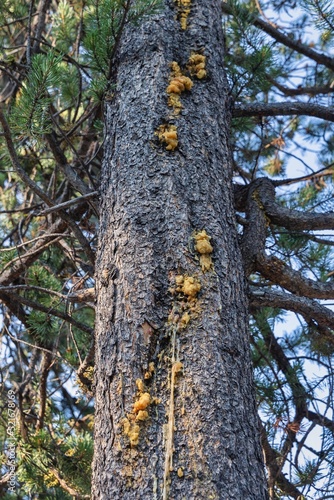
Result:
x=322 y=12
x=31 y=115
x=43 y=328
x=42 y=277
x=47 y=458
x=65 y=25
x=12 y=10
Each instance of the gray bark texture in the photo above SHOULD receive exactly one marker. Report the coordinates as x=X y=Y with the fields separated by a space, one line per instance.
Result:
x=198 y=437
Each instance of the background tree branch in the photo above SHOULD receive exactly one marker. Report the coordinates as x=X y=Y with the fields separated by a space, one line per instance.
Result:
x=283 y=109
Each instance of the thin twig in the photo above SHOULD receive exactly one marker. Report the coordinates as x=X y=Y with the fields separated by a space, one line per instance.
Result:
x=69 y=203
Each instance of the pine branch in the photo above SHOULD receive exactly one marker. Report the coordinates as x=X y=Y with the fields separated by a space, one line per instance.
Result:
x=118 y=36
x=39 y=27
x=320 y=420
x=50 y=311
x=281 y=216
x=294 y=220
x=26 y=243
x=16 y=163
x=15 y=308
x=310 y=91
x=68 y=203
x=67 y=487
x=28 y=209
x=28 y=51
x=66 y=57
x=283 y=109
x=309 y=309
x=255 y=229
x=45 y=368
x=324 y=171
x=271 y=458
x=300 y=398
x=299 y=393
x=85 y=295
x=68 y=171
x=78 y=163
x=9 y=73
x=278 y=272
x=93 y=109
x=280 y=37
x=30 y=372
x=85 y=364
x=258 y=201
x=17 y=265
x=33 y=346
x=72 y=175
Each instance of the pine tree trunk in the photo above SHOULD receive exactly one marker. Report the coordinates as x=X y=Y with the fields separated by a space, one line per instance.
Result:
x=175 y=410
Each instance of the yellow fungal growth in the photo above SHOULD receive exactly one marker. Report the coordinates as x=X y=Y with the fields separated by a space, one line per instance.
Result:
x=179 y=279
x=174 y=102
x=196 y=65
x=88 y=375
x=139 y=414
x=142 y=403
x=175 y=69
x=191 y=287
x=180 y=472
x=150 y=371
x=140 y=385
x=203 y=244
x=188 y=285
x=204 y=248
x=142 y=415
x=132 y=431
x=184 y=320
x=178 y=84
x=183 y=11
x=168 y=134
x=171 y=139
x=185 y=306
x=183 y=18
x=205 y=262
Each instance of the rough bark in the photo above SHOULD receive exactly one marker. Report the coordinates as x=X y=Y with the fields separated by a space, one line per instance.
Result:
x=201 y=437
